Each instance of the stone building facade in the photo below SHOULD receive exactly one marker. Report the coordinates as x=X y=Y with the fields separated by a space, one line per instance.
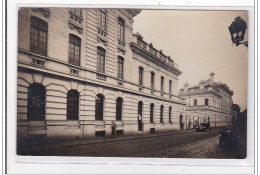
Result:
x=83 y=73
x=209 y=101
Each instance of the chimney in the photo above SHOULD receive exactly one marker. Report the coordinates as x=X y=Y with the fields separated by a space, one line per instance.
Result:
x=186 y=86
x=212 y=77
x=201 y=85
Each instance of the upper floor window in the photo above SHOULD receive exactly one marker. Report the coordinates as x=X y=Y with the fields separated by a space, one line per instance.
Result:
x=99 y=107
x=74 y=49
x=152 y=80
x=36 y=102
x=38 y=36
x=121 y=29
x=101 y=60
x=73 y=105
x=170 y=87
x=141 y=71
x=77 y=11
x=162 y=83
x=119 y=107
x=120 y=67
x=206 y=102
x=101 y=19
x=195 y=102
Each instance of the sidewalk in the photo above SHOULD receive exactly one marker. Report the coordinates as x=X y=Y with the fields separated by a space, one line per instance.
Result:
x=85 y=141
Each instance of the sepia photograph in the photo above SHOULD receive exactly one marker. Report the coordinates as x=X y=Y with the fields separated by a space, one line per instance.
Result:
x=124 y=82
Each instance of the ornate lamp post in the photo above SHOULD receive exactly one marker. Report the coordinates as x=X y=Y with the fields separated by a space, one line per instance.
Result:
x=237 y=31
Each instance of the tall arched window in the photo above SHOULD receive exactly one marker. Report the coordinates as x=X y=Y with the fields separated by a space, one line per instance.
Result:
x=101 y=14
x=36 y=102
x=119 y=108
x=101 y=53
x=121 y=30
x=151 y=112
x=38 y=36
x=74 y=49
x=170 y=114
x=72 y=105
x=161 y=114
x=120 y=67
x=99 y=107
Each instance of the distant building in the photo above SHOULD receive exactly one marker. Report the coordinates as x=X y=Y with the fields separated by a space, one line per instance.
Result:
x=82 y=73
x=209 y=101
x=235 y=114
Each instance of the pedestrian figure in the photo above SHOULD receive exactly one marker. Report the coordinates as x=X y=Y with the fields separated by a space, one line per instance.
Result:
x=113 y=129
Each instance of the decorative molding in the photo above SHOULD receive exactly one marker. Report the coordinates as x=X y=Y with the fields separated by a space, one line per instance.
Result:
x=45 y=11
x=102 y=40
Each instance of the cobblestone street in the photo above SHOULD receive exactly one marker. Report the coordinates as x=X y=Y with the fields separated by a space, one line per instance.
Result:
x=184 y=145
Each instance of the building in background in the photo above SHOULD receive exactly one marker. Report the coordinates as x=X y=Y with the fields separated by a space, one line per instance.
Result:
x=82 y=72
x=209 y=101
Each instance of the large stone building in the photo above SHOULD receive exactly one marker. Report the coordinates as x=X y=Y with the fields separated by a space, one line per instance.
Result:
x=209 y=101
x=83 y=73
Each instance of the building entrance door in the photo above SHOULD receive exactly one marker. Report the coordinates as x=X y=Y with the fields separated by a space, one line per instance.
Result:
x=140 y=117
x=181 y=122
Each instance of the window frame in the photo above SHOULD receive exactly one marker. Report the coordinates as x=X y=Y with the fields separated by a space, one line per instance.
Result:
x=119 y=109
x=162 y=84
x=72 y=105
x=161 y=113
x=195 y=102
x=120 y=70
x=101 y=59
x=121 y=29
x=100 y=22
x=206 y=102
x=38 y=26
x=141 y=76
x=99 y=107
x=151 y=113
x=170 y=114
x=74 y=41
x=170 y=86
x=152 y=80
x=36 y=93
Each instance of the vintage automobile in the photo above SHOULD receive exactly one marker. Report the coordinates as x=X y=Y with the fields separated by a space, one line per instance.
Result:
x=230 y=137
x=203 y=127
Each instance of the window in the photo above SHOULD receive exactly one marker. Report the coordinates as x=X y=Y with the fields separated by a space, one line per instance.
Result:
x=119 y=107
x=206 y=102
x=38 y=36
x=170 y=87
x=36 y=102
x=152 y=80
x=162 y=84
x=195 y=102
x=120 y=67
x=73 y=105
x=74 y=50
x=77 y=12
x=101 y=14
x=141 y=70
x=161 y=114
x=170 y=114
x=151 y=112
x=121 y=30
x=101 y=60
x=99 y=107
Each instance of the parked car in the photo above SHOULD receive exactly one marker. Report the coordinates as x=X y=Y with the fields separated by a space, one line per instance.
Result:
x=230 y=137
x=203 y=127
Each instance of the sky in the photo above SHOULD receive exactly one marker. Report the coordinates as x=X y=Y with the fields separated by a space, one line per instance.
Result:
x=200 y=43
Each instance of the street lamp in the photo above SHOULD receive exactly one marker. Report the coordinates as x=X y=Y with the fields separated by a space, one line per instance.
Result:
x=237 y=31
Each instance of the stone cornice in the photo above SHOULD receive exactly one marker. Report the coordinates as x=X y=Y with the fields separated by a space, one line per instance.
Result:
x=200 y=93
x=137 y=49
